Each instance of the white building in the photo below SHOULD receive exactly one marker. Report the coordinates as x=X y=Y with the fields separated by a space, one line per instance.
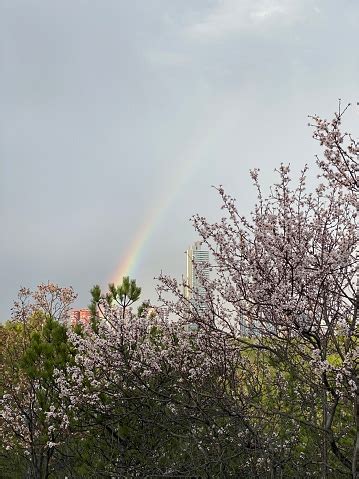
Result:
x=197 y=262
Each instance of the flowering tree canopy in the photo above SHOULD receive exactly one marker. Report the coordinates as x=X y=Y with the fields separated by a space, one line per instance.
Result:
x=284 y=281
x=34 y=344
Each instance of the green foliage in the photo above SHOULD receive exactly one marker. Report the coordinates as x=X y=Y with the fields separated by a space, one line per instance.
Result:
x=30 y=354
x=142 y=309
x=48 y=349
x=123 y=295
x=126 y=293
x=96 y=293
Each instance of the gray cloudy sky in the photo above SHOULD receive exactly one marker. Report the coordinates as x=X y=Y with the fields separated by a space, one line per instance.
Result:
x=117 y=114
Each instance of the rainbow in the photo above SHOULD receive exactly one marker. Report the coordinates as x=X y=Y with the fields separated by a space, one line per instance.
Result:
x=132 y=256
x=196 y=151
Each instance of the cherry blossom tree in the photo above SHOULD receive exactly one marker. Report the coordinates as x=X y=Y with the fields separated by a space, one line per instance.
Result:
x=161 y=398
x=32 y=423
x=284 y=282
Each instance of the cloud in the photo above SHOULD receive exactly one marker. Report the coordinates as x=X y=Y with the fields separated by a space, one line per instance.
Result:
x=165 y=58
x=234 y=16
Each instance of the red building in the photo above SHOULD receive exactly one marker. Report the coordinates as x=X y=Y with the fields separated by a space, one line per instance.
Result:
x=79 y=316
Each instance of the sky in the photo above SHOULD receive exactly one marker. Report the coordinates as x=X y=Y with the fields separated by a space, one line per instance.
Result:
x=118 y=116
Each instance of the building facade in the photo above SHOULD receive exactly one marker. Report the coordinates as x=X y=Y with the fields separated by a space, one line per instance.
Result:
x=197 y=272
x=82 y=316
